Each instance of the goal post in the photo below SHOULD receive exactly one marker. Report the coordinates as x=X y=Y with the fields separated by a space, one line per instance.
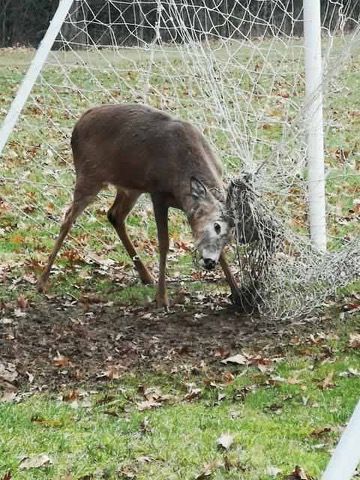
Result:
x=346 y=457
x=33 y=72
x=314 y=122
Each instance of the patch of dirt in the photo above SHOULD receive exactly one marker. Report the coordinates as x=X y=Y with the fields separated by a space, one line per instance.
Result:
x=60 y=343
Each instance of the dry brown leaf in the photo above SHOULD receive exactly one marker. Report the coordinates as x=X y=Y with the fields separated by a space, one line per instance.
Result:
x=298 y=474
x=293 y=380
x=19 y=313
x=113 y=372
x=327 y=382
x=71 y=395
x=208 y=470
x=320 y=432
x=354 y=340
x=228 y=377
x=35 y=461
x=225 y=441
x=238 y=359
x=8 y=372
x=8 y=396
x=61 y=361
x=22 y=302
x=144 y=459
x=193 y=393
x=148 y=405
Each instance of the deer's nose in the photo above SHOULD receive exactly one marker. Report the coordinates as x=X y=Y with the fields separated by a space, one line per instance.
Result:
x=209 y=263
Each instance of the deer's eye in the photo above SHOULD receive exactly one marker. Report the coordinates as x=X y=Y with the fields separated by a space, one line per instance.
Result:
x=217 y=228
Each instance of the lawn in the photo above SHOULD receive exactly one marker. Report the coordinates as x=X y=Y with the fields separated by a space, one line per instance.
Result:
x=95 y=382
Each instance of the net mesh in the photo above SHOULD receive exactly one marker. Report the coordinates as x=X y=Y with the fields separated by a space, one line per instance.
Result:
x=234 y=68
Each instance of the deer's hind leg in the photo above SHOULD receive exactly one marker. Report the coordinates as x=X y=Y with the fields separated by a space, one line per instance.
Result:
x=84 y=194
x=122 y=206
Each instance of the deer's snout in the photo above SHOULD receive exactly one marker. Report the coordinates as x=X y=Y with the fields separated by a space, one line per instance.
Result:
x=209 y=263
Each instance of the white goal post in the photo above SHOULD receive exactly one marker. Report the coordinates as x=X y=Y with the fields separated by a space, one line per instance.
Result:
x=33 y=71
x=314 y=116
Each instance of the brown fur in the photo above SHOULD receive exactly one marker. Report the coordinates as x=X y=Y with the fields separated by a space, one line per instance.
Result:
x=140 y=149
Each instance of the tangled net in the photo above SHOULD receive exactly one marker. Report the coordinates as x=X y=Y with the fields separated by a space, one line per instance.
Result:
x=281 y=274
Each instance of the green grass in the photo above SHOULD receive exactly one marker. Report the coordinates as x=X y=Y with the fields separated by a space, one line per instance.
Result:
x=276 y=423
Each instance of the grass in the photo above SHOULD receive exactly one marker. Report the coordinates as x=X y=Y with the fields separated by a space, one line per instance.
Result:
x=276 y=419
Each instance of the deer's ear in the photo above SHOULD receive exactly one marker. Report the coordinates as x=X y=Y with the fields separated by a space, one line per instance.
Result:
x=197 y=189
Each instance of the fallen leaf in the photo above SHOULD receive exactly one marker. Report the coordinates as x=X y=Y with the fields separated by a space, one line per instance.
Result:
x=225 y=441
x=19 y=313
x=6 y=321
x=148 y=405
x=36 y=461
x=263 y=364
x=208 y=470
x=320 y=432
x=239 y=359
x=61 y=361
x=8 y=396
x=144 y=459
x=8 y=372
x=71 y=395
x=114 y=372
x=351 y=372
x=23 y=302
x=193 y=393
x=327 y=382
x=298 y=474
x=354 y=340
x=228 y=377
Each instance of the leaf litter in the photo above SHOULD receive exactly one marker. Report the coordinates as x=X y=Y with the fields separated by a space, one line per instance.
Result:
x=62 y=341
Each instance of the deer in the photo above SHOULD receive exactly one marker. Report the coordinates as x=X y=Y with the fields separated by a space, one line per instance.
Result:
x=139 y=149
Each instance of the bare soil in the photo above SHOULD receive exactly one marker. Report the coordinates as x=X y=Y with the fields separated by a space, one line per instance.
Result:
x=59 y=342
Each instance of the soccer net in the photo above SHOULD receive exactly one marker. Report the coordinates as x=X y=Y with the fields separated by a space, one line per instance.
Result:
x=235 y=68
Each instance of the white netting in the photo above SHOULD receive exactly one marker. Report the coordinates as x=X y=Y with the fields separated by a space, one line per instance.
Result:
x=235 y=68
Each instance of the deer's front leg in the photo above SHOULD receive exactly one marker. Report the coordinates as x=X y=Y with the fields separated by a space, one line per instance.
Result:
x=161 y=216
x=235 y=292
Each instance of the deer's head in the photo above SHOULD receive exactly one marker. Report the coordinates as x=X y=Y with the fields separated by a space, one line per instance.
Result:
x=211 y=226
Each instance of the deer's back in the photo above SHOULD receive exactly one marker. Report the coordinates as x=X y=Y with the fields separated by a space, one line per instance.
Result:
x=139 y=147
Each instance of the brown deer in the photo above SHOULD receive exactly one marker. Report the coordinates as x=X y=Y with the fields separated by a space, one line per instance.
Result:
x=140 y=149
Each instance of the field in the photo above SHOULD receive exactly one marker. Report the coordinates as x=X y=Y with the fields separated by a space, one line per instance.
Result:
x=95 y=382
